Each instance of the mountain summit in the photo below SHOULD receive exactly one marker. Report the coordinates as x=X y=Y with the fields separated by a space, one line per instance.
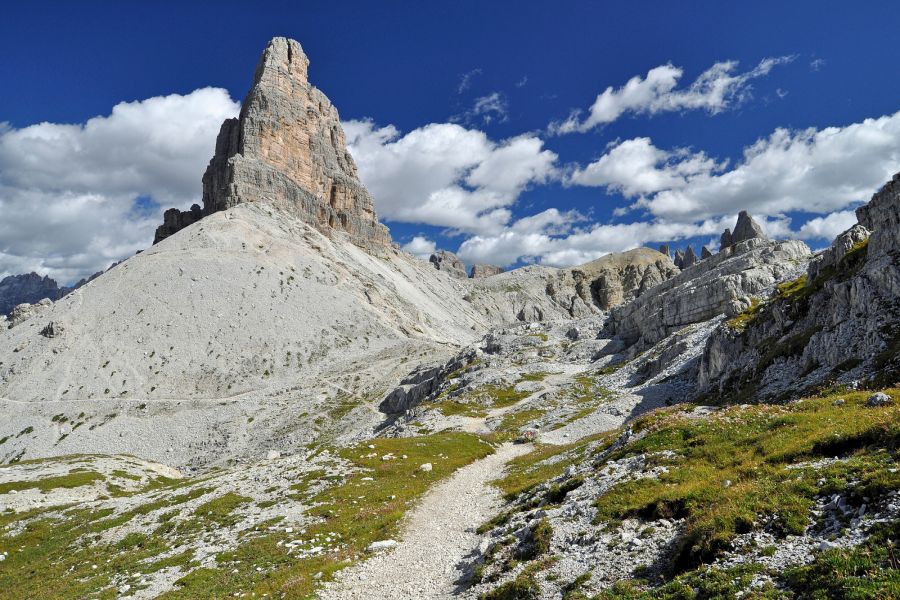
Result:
x=287 y=149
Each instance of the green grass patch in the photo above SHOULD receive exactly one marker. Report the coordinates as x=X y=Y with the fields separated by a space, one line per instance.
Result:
x=740 y=321
x=733 y=465
x=361 y=511
x=72 y=480
x=547 y=462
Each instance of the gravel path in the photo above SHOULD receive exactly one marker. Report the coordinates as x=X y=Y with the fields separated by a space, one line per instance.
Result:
x=431 y=560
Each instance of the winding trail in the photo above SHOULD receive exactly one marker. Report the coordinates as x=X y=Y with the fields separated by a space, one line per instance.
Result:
x=432 y=560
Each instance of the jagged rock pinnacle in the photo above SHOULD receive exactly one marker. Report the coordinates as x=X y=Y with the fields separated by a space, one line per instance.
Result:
x=287 y=149
x=746 y=229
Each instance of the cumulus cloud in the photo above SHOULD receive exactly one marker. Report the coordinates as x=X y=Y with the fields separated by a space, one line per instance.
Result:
x=636 y=167
x=815 y=171
x=582 y=245
x=76 y=197
x=717 y=89
x=687 y=195
x=420 y=246
x=446 y=175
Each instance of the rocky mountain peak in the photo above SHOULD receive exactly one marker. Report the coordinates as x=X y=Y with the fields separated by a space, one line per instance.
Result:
x=747 y=229
x=287 y=149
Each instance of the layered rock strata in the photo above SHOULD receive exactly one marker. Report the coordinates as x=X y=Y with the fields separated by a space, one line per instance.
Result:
x=479 y=271
x=722 y=284
x=287 y=149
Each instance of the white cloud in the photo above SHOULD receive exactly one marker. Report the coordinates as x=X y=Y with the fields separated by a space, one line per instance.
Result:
x=827 y=227
x=816 y=171
x=715 y=90
x=465 y=80
x=581 y=246
x=636 y=167
x=486 y=109
x=688 y=195
x=446 y=175
x=68 y=191
x=420 y=246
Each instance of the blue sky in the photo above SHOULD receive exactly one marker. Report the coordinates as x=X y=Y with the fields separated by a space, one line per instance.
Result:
x=486 y=86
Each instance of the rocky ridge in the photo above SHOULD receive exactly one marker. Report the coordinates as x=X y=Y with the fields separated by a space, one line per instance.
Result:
x=835 y=323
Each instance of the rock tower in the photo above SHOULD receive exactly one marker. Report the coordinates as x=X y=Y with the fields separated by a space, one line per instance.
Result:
x=287 y=149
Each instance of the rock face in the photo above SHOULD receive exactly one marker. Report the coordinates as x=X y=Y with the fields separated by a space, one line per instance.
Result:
x=25 y=311
x=27 y=289
x=721 y=284
x=839 y=324
x=725 y=241
x=746 y=229
x=449 y=263
x=287 y=149
x=690 y=259
x=484 y=271
x=537 y=293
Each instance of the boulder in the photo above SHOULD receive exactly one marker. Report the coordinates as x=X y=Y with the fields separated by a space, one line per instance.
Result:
x=878 y=399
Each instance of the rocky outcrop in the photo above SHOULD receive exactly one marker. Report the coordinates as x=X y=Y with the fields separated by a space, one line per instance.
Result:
x=839 y=323
x=287 y=149
x=679 y=258
x=746 y=229
x=175 y=220
x=479 y=271
x=25 y=311
x=832 y=256
x=721 y=284
x=705 y=253
x=690 y=259
x=536 y=293
x=27 y=289
x=449 y=263
x=725 y=240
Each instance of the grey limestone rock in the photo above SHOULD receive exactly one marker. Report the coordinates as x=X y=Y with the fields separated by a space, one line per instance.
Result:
x=449 y=263
x=725 y=241
x=28 y=288
x=879 y=399
x=746 y=229
x=842 y=327
x=690 y=258
x=484 y=271
x=750 y=268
